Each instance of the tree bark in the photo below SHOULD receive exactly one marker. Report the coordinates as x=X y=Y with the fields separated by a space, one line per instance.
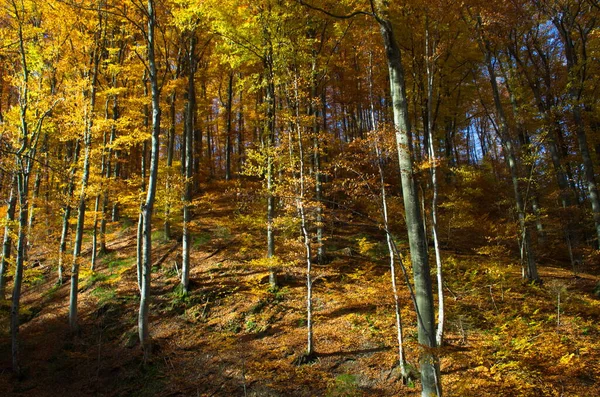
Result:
x=87 y=140
x=7 y=241
x=228 y=131
x=148 y=206
x=530 y=268
x=188 y=167
x=429 y=364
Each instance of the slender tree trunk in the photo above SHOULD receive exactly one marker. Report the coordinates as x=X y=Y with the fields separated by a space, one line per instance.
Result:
x=270 y=142
x=62 y=248
x=32 y=206
x=79 y=229
x=530 y=269
x=229 y=128
x=390 y=243
x=313 y=111
x=188 y=167
x=310 y=350
x=577 y=77
x=109 y=173
x=240 y=131
x=170 y=150
x=140 y=228
x=87 y=140
x=23 y=191
x=429 y=364
x=430 y=65
x=7 y=241
x=149 y=204
x=98 y=198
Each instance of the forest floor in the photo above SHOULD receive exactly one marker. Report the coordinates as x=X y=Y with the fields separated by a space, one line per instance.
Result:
x=231 y=336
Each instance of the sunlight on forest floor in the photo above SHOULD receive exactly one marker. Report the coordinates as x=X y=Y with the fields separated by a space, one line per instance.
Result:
x=232 y=334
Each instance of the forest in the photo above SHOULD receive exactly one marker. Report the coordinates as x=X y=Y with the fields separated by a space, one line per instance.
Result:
x=299 y=198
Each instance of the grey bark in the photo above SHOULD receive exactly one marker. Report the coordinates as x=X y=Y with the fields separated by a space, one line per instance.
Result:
x=310 y=350
x=188 y=167
x=429 y=364
x=430 y=65
x=148 y=206
x=87 y=140
x=390 y=243
x=527 y=257
x=270 y=143
x=576 y=70
x=170 y=150
x=144 y=167
x=24 y=159
x=228 y=131
x=62 y=248
x=7 y=240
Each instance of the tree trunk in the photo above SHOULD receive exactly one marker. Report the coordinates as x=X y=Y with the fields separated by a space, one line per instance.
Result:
x=87 y=140
x=229 y=129
x=240 y=131
x=148 y=206
x=188 y=168
x=170 y=150
x=270 y=142
x=430 y=65
x=23 y=191
x=429 y=364
x=7 y=241
x=390 y=243
x=530 y=268
x=310 y=350
x=577 y=77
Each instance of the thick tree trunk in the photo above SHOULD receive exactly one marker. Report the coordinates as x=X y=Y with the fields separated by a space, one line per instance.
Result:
x=429 y=364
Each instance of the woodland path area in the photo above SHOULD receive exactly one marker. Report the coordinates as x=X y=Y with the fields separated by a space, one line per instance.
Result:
x=232 y=337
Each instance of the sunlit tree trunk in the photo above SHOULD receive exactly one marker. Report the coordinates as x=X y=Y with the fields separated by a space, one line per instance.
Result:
x=300 y=202
x=390 y=243
x=229 y=130
x=429 y=364
x=87 y=141
x=148 y=206
x=269 y=144
x=170 y=150
x=188 y=166
x=62 y=248
x=7 y=240
x=430 y=47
